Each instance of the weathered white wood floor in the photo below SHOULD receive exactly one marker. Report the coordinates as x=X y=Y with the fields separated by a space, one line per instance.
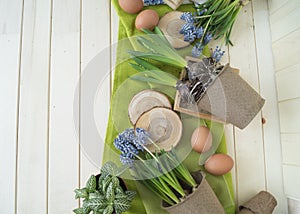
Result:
x=45 y=47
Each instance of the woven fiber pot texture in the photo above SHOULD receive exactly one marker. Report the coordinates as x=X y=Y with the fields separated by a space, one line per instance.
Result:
x=232 y=99
x=262 y=203
x=203 y=200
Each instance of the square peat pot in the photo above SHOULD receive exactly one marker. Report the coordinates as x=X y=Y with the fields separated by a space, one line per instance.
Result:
x=201 y=200
x=228 y=99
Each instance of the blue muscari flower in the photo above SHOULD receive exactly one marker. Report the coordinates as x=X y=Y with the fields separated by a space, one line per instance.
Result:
x=218 y=54
x=153 y=2
x=199 y=32
x=207 y=38
x=189 y=32
x=142 y=136
x=189 y=36
x=188 y=17
x=197 y=49
x=186 y=27
x=126 y=161
x=130 y=142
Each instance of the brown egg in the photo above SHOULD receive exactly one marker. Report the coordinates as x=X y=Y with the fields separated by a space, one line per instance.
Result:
x=201 y=139
x=219 y=164
x=147 y=19
x=131 y=6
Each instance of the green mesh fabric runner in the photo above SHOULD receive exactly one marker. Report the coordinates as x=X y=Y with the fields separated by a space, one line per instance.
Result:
x=145 y=201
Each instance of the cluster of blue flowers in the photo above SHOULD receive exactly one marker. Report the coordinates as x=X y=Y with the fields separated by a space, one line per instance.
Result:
x=218 y=54
x=153 y=2
x=191 y=33
x=130 y=142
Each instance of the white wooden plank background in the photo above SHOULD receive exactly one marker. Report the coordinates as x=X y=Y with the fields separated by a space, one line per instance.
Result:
x=285 y=28
x=33 y=107
x=10 y=47
x=51 y=46
x=249 y=142
x=271 y=129
x=64 y=76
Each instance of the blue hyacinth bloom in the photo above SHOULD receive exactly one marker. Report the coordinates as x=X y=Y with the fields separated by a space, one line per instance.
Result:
x=130 y=142
x=207 y=38
x=153 y=2
x=199 y=32
x=187 y=27
x=189 y=32
x=218 y=54
x=188 y=17
x=197 y=49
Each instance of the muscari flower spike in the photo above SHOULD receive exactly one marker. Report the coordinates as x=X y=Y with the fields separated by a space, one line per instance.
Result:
x=197 y=49
x=188 y=17
x=153 y=2
x=218 y=54
x=130 y=142
x=207 y=38
x=199 y=32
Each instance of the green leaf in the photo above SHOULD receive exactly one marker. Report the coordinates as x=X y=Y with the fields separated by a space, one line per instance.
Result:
x=96 y=194
x=160 y=58
x=143 y=63
x=109 y=168
x=81 y=210
x=156 y=72
x=119 y=190
x=81 y=193
x=115 y=182
x=121 y=205
x=149 y=80
x=110 y=193
x=137 y=67
x=105 y=183
x=95 y=204
x=130 y=194
x=108 y=210
x=121 y=195
x=98 y=212
x=91 y=184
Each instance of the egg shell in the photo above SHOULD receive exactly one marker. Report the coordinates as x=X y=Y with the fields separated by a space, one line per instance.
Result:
x=219 y=164
x=146 y=19
x=201 y=139
x=131 y=6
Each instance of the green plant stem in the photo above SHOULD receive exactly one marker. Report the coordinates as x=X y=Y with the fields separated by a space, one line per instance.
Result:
x=160 y=184
x=181 y=169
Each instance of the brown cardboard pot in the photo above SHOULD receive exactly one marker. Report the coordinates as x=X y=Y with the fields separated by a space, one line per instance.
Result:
x=262 y=203
x=229 y=99
x=202 y=200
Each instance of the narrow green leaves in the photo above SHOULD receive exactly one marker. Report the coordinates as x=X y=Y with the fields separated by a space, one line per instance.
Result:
x=159 y=49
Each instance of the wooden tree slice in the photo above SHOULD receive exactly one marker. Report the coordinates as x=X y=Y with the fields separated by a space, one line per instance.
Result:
x=144 y=101
x=170 y=24
x=164 y=126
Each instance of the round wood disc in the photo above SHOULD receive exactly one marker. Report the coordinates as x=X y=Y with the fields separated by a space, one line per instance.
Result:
x=164 y=126
x=144 y=101
x=170 y=24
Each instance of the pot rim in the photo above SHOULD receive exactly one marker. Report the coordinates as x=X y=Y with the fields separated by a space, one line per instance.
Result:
x=185 y=199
